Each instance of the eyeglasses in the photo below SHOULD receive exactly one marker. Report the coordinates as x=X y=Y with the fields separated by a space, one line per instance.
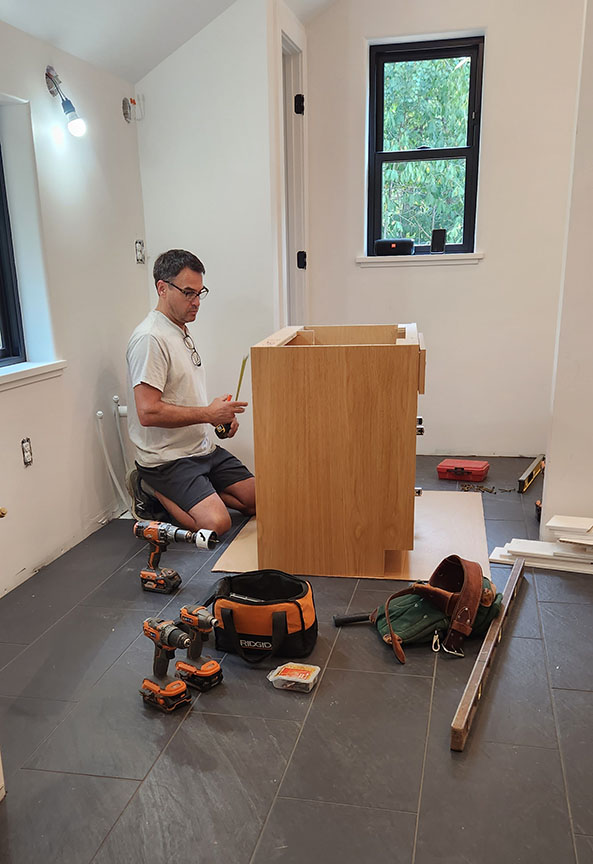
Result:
x=188 y=293
x=189 y=343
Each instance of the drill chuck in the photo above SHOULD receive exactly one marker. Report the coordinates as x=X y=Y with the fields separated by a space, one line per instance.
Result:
x=198 y=616
x=165 y=634
x=164 y=533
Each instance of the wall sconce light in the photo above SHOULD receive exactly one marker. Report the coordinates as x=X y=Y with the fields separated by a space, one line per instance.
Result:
x=76 y=125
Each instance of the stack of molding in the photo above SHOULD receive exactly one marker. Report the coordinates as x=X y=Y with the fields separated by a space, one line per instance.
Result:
x=571 y=551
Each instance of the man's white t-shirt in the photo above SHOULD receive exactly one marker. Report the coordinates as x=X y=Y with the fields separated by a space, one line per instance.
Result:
x=158 y=356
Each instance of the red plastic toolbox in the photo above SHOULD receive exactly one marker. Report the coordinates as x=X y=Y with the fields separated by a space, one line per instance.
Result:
x=463 y=469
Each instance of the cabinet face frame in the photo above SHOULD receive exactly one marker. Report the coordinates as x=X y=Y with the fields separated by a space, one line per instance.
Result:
x=334 y=412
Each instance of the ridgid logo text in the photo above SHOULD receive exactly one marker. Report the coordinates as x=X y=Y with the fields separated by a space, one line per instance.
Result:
x=250 y=643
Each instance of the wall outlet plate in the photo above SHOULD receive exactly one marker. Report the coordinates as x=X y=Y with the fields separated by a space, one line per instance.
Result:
x=27 y=452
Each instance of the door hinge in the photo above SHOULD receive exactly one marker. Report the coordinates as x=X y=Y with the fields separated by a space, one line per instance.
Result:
x=299 y=103
x=302 y=260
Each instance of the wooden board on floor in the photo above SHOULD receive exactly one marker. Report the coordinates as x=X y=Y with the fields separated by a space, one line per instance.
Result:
x=446 y=523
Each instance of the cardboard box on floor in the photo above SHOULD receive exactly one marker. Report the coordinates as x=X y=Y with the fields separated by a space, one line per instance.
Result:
x=446 y=523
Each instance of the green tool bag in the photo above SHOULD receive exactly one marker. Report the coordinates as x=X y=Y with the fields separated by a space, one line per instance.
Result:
x=458 y=601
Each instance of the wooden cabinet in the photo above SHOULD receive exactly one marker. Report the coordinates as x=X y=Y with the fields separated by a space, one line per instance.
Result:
x=334 y=413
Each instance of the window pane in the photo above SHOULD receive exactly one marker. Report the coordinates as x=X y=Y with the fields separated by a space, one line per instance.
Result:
x=419 y=196
x=426 y=103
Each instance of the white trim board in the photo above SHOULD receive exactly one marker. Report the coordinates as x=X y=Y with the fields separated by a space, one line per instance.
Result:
x=500 y=556
x=575 y=524
x=578 y=541
x=539 y=549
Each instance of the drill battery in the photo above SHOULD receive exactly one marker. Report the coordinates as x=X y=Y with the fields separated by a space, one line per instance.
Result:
x=160 y=580
x=166 y=698
x=203 y=676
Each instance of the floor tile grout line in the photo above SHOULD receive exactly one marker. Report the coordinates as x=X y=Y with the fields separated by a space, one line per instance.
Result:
x=556 y=726
x=396 y=671
x=563 y=603
x=80 y=774
x=261 y=717
x=572 y=689
x=424 y=759
x=42 y=698
x=300 y=732
x=345 y=804
x=141 y=782
x=521 y=745
x=65 y=615
x=30 y=756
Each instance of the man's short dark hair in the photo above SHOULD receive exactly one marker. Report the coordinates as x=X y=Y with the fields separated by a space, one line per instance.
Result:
x=169 y=264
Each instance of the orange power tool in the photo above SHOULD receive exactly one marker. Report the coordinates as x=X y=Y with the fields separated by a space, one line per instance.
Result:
x=164 y=580
x=203 y=673
x=167 y=637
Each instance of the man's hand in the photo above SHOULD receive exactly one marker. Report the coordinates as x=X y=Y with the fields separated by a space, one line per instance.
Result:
x=234 y=427
x=223 y=411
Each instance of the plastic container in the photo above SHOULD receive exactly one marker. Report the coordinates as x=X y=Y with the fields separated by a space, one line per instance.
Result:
x=463 y=469
x=295 y=676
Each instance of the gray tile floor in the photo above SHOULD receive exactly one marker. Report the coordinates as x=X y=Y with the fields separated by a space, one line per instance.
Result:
x=359 y=770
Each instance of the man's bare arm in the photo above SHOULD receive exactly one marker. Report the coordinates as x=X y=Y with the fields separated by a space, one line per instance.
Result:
x=152 y=411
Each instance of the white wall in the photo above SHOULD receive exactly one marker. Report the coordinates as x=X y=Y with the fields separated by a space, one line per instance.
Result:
x=489 y=328
x=90 y=210
x=568 y=488
x=209 y=179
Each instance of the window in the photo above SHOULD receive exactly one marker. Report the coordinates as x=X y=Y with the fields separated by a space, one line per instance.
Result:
x=12 y=343
x=424 y=133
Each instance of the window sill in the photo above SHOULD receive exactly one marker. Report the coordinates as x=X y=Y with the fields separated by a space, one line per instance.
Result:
x=20 y=374
x=436 y=259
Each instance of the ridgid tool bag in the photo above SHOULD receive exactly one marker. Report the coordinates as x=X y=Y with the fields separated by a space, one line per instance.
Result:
x=458 y=601
x=264 y=613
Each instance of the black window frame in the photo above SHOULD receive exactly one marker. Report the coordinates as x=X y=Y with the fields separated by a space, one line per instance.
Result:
x=11 y=323
x=427 y=50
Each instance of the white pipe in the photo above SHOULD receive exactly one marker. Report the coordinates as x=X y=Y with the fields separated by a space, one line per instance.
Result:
x=121 y=411
x=112 y=474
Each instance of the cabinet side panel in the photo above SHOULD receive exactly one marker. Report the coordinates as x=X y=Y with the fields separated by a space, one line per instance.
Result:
x=334 y=436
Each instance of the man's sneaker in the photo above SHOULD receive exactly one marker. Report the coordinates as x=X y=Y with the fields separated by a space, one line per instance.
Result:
x=144 y=506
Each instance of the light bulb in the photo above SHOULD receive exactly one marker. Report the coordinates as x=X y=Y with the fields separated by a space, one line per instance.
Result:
x=76 y=126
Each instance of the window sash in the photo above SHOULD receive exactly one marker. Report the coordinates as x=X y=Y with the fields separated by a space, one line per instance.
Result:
x=12 y=346
x=381 y=54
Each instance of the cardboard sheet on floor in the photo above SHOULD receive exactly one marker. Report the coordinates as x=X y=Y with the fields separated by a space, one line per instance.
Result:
x=446 y=523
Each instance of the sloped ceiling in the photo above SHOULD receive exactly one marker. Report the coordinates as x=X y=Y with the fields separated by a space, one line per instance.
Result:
x=129 y=37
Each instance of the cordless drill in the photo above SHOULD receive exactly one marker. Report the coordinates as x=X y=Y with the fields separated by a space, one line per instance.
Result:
x=164 y=580
x=167 y=637
x=203 y=673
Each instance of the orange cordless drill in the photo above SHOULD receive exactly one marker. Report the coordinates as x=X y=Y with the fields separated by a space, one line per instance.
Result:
x=203 y=673
x=167 y=637
x=163 y=580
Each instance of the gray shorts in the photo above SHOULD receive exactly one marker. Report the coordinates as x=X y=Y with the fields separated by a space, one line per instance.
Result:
x=188 y=481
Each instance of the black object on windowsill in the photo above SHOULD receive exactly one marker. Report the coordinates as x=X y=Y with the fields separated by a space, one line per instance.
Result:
x=394 y=246
x=438 y=240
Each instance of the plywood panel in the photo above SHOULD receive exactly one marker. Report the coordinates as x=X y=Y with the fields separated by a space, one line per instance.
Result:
x=335 y=441
x=370 y=334
x=446 y=523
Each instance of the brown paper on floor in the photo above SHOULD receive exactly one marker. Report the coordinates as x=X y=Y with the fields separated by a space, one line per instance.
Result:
x=446 y=523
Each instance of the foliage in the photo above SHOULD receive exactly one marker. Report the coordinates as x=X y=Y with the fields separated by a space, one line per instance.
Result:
x=425 y=107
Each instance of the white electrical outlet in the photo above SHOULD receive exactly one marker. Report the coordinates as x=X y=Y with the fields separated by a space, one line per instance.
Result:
x=27 y=452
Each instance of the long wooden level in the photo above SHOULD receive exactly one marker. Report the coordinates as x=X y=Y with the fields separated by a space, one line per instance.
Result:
x=474 y=689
